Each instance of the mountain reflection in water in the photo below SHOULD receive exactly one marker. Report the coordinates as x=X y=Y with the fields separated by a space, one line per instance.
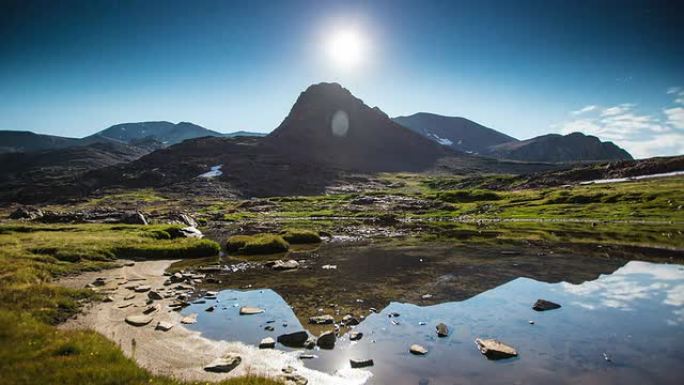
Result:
x=625 y=327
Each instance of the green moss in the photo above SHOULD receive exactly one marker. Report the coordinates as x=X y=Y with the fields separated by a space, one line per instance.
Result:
x=459 y=196
x=297 y=236
x=256 y=244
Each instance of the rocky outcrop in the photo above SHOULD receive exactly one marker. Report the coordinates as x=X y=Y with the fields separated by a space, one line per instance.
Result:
x=225 y=364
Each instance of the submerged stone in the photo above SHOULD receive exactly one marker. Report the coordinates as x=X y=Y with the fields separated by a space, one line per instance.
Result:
x=321 y=319
x=249 y=310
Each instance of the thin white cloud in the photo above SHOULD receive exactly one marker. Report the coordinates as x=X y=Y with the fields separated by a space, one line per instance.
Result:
x=643 y=135
x=675 y=117
x=584 y=110
x=674 y=90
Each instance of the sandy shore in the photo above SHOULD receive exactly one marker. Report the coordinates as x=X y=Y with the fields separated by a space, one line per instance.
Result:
x=178 y=352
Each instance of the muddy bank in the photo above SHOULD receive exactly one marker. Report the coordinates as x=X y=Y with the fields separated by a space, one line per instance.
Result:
x=178 y=352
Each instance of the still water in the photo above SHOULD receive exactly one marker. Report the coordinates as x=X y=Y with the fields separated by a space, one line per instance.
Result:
x=622 y=328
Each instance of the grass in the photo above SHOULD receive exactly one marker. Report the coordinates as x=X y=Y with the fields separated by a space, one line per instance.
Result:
x=32 y=350
x=257 y=244
x=301 y=236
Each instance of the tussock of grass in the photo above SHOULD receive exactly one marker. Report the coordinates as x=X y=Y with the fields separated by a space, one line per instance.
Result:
x=300 y=236
x=257 y=244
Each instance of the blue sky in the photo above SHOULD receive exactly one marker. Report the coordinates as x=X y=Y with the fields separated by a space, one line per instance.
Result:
x=522 y=67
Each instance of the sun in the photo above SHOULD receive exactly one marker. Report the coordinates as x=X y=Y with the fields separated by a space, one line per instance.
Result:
x=346 y=48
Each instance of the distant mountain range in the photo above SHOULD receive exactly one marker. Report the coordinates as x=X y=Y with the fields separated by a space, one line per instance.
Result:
x=327 y=134
x=465 y=135
x=165 y=133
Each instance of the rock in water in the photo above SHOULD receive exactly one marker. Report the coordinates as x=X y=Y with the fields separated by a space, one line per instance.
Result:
x=225 y=364
x=267 y=343
x=249 y=310
x=138 y=320
x=442 y=330
x=326 y=340
x=543 y=305
x=191 y=232
x=294 y=340
x=355 y=336
x=494 y=349
x=163 y=326
x=321 y=319
x=190 y=319
x=418 y=350
x=285 y=265
x=360 y=363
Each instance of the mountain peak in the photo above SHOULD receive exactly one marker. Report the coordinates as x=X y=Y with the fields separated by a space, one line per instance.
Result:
x=329 y=124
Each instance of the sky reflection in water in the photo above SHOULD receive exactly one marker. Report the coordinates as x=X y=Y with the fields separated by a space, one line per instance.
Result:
x=634 y=315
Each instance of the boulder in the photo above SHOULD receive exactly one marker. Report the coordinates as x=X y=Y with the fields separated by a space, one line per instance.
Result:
x=163 y=326
x=494 y=349
x=225 y=364
x=543 y=305
x=294 y=340
x=285 y=265
x=138 y=320
x=135 y=218
x=360 y=363
x=442 y=330
x=190 y=319
x=190 y=232
x=326 y=340
x=267 y=343
x=249 y=310
x=27 y=212
x=154 y=295
x=418 y=350
x=324 y=319
x=108 y=298
x=100 y=281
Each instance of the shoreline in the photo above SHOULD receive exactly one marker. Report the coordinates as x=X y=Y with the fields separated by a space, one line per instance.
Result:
x=178 y=352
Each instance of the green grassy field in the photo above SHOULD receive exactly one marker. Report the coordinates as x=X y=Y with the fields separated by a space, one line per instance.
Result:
x=31 y=256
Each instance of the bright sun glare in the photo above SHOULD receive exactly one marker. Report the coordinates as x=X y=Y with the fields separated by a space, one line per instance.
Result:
x=346 y=48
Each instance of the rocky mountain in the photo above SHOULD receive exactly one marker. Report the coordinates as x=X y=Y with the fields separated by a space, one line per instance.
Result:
x=455 y=132
x=328 y=125
x=465 y=135
x=164 y=132
x=24 y=141
x=575 y=147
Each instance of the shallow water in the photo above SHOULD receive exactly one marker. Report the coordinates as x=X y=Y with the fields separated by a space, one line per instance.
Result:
x=626 y=327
